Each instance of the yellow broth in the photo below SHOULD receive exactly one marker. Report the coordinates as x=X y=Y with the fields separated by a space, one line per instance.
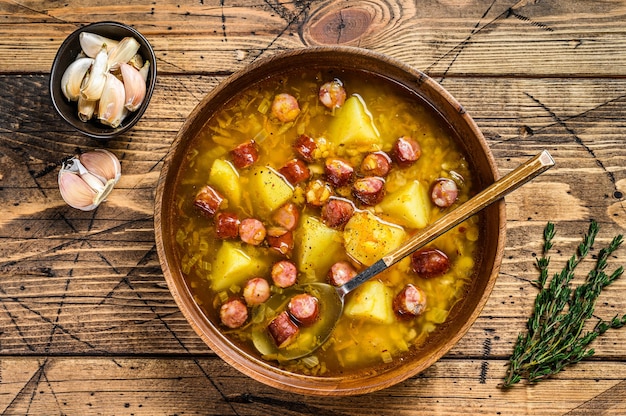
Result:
x=357 y=343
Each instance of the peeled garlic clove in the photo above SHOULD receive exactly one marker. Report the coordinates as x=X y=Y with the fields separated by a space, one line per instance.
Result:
x=73 y=76
x=144 y=71
x=91 y=43
x=86 y=180
x=123 y=52
x=136 y=61
x=102 y=164
x=111 y=105
x=86 y=109
x=124 y=114
x=97 y=77
x=134 y=87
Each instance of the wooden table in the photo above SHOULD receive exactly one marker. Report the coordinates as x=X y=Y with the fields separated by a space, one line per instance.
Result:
x=87 y=324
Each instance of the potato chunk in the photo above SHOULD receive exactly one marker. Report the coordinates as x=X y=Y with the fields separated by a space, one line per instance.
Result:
x=268 y=190
x=317 y=242
x=372 y=301
x=409 y=206
x=354 y=127
x=225 y=178
x=367 y=238
x=233 y=266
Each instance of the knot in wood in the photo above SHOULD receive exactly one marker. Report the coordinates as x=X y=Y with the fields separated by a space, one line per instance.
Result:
x=340 y=26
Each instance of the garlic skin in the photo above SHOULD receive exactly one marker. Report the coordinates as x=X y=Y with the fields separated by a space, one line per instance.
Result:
x=91 y=43
x=111 y=104
x=73 y=78
x=134 y=87
x=103 y=164
x=86 y=180
x=76 y=192
x=97 y=77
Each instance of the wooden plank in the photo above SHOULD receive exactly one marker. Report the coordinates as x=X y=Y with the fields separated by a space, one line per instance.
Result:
x=144 y=386
x=477 y=38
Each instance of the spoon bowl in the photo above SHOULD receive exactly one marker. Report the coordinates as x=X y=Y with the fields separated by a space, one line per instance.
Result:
x=332 y=298
x=331 y=302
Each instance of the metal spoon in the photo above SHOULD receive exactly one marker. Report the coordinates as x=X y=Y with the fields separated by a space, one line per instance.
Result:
x=331 y=298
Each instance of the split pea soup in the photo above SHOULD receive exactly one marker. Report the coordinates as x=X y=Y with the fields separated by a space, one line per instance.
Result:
x=281 y=188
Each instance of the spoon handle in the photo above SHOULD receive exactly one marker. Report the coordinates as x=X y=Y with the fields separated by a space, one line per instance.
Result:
x=513 y=180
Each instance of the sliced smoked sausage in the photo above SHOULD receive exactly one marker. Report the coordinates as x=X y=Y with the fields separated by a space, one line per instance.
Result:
x=295 y=171
x=256 y=291
x=303 y=308
x=285 y=107
x=305 y=146
x=245 y=154
x=208 y=200
x=444 y=192
x=287 y=216
x=406 y=151
x=233 y=313
x=340 y=273
x=338 y=171
x=430 y=262
x=410 y=302
x=336 y=212
x=376 y=164
x=226 y=225
x=332 y=94
x=284 y=273
x=370 y=190
x=252 y=231
x=283 y=330
x=280 y=240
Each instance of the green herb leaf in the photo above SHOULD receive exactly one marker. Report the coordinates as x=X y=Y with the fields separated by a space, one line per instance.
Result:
x=555 y=334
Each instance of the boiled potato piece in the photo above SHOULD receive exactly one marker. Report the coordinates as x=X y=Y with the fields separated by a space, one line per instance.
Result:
x=373 y=301
x=409 y=206
x=233 y=266
x=353 y=126
x=367 y=238
x=225 y=178
x=268 y=190
x=317 y=242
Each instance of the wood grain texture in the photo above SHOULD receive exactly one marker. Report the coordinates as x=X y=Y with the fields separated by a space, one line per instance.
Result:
x=87 y=324
x=443 y=37
x=207 y=386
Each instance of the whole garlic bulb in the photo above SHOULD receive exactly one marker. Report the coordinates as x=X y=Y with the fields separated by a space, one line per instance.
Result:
x=87 y=179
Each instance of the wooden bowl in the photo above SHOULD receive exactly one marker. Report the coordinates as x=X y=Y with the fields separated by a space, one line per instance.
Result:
x=463 y=314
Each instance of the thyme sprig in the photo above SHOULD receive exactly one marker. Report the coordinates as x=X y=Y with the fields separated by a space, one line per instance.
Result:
x=556 y=335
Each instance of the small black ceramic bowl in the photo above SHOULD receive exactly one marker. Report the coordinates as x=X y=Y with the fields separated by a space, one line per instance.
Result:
x=67 y=53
